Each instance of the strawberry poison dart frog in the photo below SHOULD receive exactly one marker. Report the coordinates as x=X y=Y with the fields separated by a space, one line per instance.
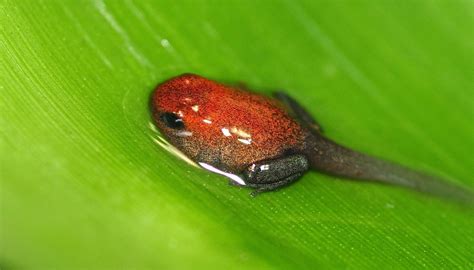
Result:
x=266 y=143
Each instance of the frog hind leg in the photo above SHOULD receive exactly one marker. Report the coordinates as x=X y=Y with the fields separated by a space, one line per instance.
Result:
x=297 y=111
x=261 y=188
x=268 y=175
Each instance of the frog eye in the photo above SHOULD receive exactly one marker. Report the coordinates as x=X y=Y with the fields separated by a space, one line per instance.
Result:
x=171 y=120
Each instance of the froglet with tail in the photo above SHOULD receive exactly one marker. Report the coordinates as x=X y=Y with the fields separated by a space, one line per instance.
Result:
x=266 y=143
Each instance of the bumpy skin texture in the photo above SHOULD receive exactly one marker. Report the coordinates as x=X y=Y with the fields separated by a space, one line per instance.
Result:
x=254 y=136
x=226 y=127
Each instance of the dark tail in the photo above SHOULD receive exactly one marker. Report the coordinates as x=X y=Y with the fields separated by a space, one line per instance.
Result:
x=327 y=156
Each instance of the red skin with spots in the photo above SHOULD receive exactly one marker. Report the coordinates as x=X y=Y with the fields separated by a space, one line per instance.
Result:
x=231 y=127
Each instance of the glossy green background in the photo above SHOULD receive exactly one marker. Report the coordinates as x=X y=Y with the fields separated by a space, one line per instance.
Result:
x=84 y=185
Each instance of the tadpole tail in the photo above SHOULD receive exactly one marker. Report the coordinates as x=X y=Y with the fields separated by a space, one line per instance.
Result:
x=332 y=158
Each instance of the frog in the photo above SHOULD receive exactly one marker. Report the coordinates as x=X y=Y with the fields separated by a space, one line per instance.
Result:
x=268 y=142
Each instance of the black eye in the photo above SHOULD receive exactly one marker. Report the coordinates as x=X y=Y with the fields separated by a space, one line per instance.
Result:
x=171 y=120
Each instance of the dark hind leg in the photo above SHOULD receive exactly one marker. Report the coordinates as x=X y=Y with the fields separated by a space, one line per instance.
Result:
x=260 y=188
x=298 y=111
x=268 y=175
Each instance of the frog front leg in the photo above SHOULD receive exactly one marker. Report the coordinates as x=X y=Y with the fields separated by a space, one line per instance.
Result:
x=268 y=175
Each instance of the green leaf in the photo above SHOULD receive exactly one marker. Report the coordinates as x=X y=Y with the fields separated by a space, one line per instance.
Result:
x=84 y=185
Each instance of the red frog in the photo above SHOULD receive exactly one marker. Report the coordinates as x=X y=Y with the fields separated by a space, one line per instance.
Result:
x=268 y=142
